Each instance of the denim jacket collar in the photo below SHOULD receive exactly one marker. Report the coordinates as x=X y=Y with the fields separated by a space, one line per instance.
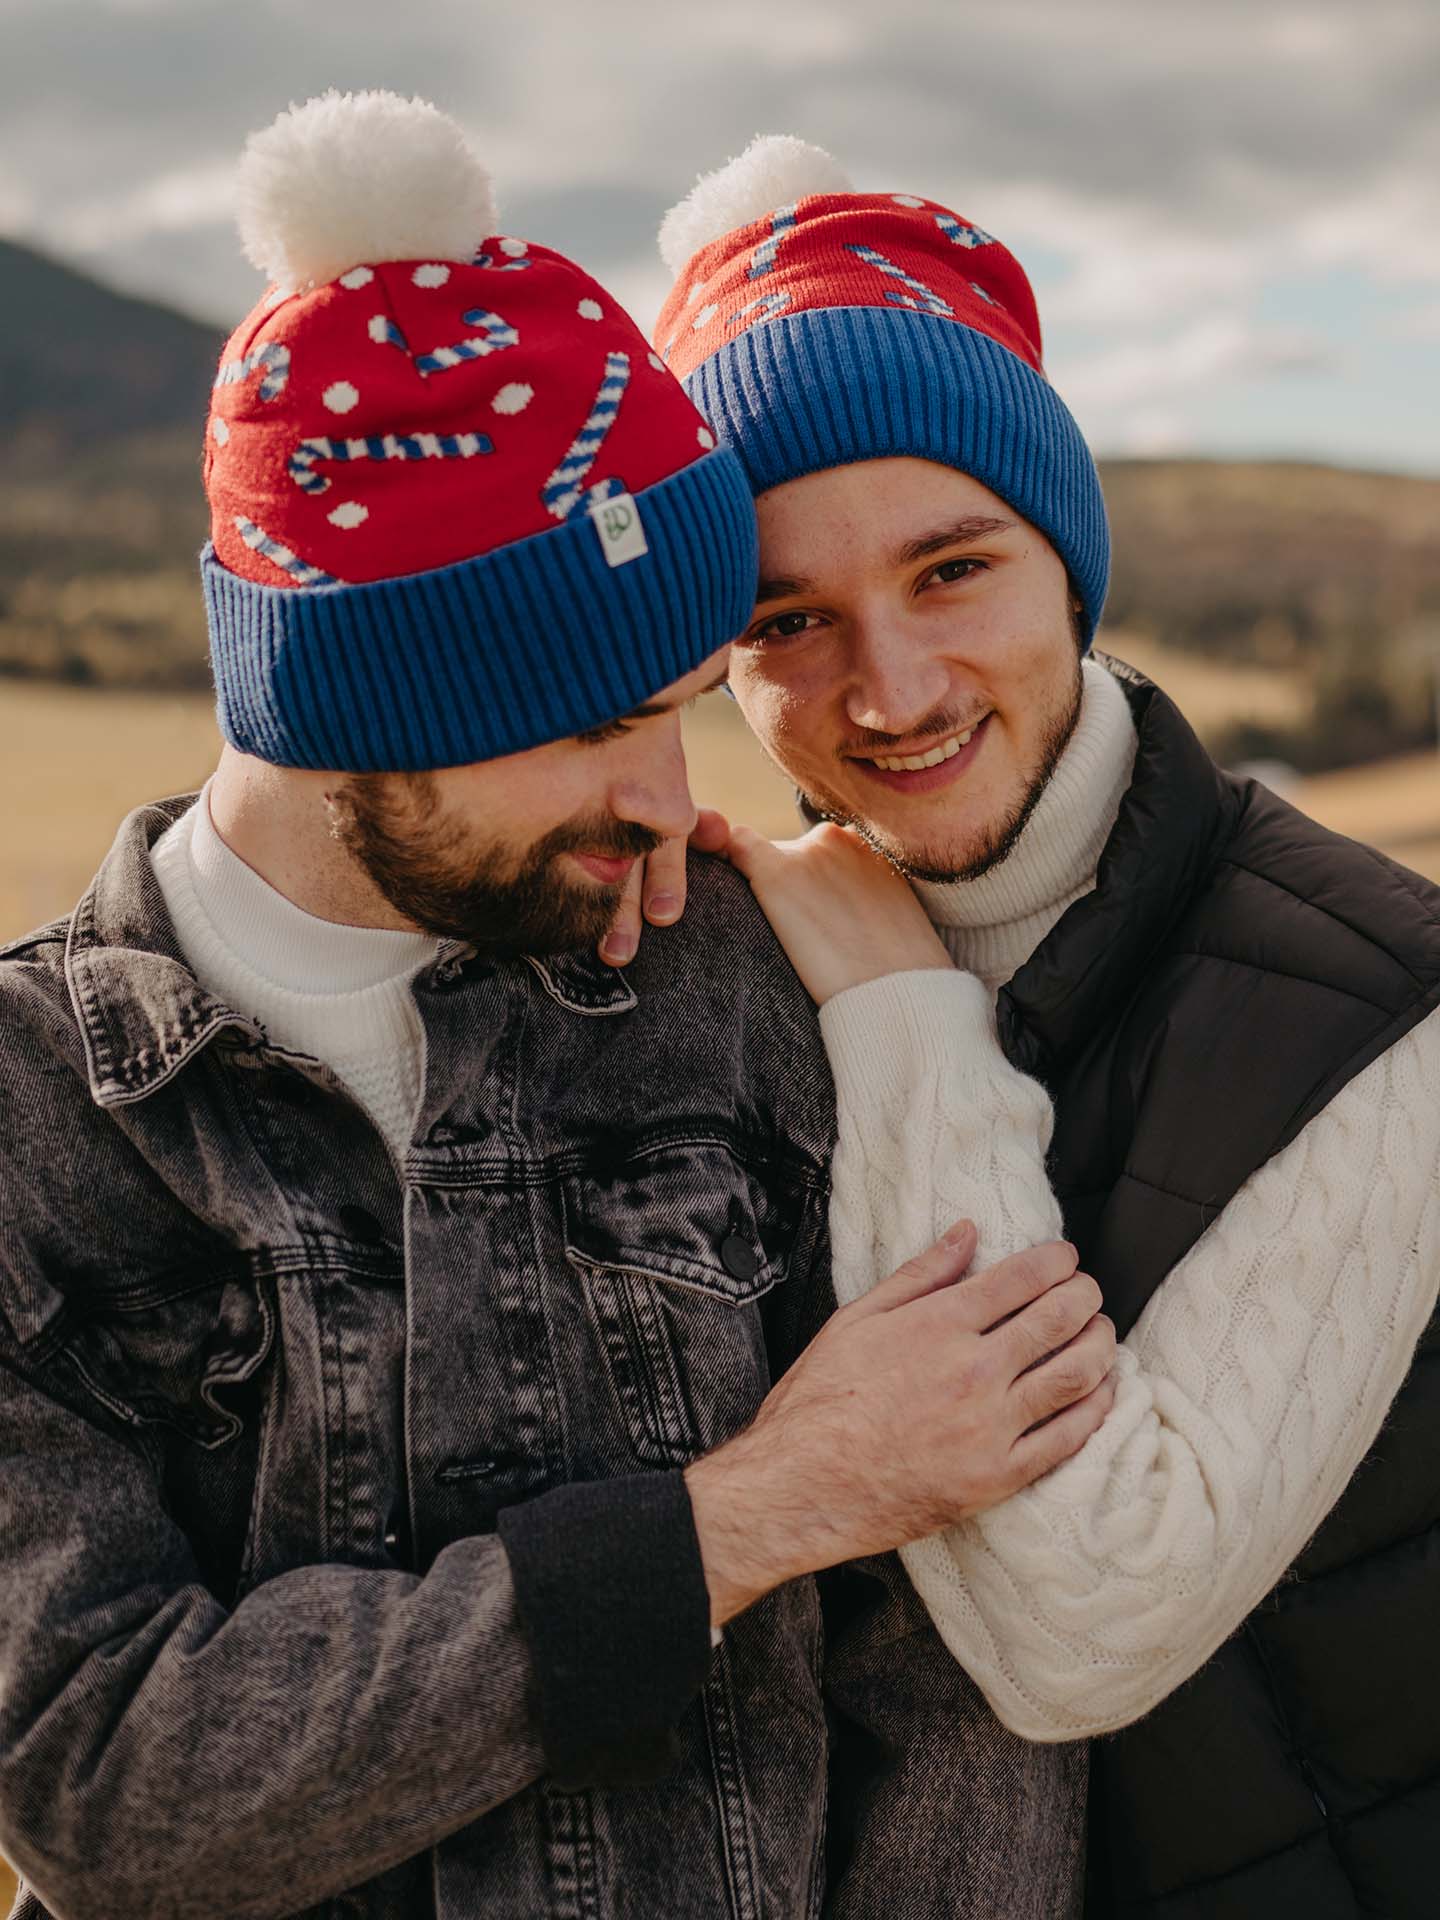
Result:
x=142 y=1012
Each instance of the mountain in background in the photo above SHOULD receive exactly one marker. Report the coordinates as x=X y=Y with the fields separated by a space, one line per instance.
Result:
x=1328 y=577
x=79 y=361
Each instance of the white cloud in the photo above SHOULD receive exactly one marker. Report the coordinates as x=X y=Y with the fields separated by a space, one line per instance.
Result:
x=1137 y=393
x=200 y=195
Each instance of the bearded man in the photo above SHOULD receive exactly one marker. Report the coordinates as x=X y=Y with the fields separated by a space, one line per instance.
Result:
x=385 y=1284
x=1231 y=1009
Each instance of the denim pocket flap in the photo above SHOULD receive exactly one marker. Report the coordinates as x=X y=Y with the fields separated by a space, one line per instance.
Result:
x=166 y=1357
x=687 y=1213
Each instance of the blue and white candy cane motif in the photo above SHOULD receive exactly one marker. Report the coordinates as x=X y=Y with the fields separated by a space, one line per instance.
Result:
x=563 y=491
x=260 y=542
x=929 y=300
x=498 y=334
x=781 y=221
x=388 y=446
x=767 y=304
x=960 y=234
x=273 y=361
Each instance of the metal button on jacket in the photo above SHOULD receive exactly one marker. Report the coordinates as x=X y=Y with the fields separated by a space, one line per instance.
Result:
x=362 y=1225
x=738 y=1257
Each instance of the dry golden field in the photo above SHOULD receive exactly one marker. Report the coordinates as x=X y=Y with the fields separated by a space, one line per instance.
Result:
x=74 y=760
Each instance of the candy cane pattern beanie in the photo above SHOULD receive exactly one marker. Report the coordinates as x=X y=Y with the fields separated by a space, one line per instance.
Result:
x=459 y=508
x=815 y=326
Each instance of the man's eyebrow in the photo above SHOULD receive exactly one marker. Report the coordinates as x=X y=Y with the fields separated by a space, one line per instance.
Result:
x=652 y=708
x=973 y=527
x=784 y=586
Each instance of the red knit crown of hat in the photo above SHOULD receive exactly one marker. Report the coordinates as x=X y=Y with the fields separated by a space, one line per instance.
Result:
x=410 y=414
x=848 y=250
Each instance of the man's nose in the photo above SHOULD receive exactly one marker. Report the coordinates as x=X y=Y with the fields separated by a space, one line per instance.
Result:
x=894 y=684
x=655 y=791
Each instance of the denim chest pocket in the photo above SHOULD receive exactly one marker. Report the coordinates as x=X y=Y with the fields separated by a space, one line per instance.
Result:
x=675 y=1248
x=164 y=1354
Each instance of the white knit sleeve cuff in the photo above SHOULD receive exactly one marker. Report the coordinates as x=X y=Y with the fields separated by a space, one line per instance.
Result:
x=882 y=1036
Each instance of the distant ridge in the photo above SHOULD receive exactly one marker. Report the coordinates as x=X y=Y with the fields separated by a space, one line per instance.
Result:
x=78 y=360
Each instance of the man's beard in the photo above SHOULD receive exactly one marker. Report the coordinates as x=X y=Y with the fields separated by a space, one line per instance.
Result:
x=997 y=840
x=500 y=901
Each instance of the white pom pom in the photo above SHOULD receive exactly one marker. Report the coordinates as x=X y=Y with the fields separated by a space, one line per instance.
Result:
x=355 y=178
x=774 y=169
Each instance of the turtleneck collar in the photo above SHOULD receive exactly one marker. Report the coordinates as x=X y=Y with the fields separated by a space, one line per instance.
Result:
x=280 y=942
x=992 y=925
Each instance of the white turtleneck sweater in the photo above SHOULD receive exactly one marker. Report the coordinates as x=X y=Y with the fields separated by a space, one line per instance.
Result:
x=1256 y=1379
x=340 y=994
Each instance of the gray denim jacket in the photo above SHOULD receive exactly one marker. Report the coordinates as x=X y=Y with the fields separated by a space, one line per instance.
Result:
x=346 y=1568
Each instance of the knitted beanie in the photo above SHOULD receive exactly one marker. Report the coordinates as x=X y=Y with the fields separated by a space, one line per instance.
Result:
x=814 y=326
x=458 y=507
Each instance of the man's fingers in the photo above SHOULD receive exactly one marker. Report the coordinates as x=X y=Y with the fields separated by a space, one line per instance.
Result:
x=711 y=832
x=748 y=850
x=1002 y=1290
x=1069 y=1375
x=937 y=1267
x=1063 y=1436
x=621 y=940
x=1049 y=1322
x=665 y=883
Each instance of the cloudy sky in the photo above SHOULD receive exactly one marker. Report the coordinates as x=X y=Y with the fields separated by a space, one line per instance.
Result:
x=1230 y=210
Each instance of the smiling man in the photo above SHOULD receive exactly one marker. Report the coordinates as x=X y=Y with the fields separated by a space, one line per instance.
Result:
x=1233 y=1011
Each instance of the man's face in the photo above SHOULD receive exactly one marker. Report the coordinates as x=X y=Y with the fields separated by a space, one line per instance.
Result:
x=906 y=614
x=530 y=853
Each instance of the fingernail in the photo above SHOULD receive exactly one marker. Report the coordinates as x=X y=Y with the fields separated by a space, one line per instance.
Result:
x=617 y=950
x=661 y=906
x=954 y=1235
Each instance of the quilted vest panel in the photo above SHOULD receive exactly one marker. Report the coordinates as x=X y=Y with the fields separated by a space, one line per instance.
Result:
x=1235 y=967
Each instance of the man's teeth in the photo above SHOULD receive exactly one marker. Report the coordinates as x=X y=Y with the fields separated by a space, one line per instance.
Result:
x=913 y=762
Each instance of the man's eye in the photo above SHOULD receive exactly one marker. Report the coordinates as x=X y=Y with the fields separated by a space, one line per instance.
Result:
x=949 y=571
x=785 y=626
x=597 y=736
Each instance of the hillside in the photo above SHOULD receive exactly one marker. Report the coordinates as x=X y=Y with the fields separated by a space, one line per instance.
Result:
x=1323 y=581
x=80 y=364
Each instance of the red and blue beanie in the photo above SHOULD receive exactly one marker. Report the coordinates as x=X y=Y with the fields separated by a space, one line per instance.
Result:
x=459 y=508
x=815 y=326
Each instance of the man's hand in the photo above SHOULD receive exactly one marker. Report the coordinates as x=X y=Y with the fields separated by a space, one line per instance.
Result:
x=913 y=1408
x=656 y=888
x=842 y=914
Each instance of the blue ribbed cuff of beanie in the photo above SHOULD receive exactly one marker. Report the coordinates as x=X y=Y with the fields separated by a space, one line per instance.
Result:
x=528 y=643
x=833 y=385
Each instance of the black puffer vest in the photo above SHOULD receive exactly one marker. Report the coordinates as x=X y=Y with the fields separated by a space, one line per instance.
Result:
x=1234 y=968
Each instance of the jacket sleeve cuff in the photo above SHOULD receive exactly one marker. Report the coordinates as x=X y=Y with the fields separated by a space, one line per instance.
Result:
x=612 y=1599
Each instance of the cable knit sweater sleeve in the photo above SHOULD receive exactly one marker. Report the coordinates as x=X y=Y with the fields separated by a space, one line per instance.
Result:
x=1250 y=1389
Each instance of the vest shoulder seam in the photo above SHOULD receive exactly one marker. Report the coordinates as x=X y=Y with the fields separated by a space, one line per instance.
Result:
x=1376 y=858
x=1305 y=979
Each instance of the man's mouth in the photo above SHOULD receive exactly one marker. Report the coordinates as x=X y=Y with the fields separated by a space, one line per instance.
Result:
x=611 y=869
x=936 y=766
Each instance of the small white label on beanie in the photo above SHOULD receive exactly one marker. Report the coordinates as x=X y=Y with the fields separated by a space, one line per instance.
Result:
x=622 y=532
